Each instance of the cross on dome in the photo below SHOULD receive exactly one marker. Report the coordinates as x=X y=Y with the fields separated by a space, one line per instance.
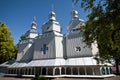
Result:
x=52 y=16
x=34 y=19
x=33 y=26
x=74 y=13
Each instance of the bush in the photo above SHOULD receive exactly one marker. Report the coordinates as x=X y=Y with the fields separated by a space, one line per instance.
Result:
x=39 y=78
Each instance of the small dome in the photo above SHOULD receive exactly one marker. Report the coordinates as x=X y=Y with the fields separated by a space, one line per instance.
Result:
x=33 y=25
x=52 y=16
x=53 y=13
x=74 y=14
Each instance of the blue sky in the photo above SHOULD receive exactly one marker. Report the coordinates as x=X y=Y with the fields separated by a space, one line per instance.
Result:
x=18 y=14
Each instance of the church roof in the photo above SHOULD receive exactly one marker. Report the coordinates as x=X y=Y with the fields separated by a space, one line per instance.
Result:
x=86 y=61
x=8 y=63
x=32 y=31
x=18 y=65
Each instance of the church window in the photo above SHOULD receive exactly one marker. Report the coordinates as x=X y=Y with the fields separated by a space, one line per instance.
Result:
x=44 y=49
x=47 y=28
x=77 y=49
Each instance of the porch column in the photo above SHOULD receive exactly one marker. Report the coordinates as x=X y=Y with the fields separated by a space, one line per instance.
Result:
x=54 y=70
x=101 y=71
x=105 y=70
x=109 y=70
x=60 y=70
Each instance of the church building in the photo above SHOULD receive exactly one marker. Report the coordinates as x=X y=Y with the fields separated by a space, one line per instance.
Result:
x=52 y=54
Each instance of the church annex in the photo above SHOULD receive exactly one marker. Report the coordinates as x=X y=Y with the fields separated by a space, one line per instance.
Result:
x=54 y=54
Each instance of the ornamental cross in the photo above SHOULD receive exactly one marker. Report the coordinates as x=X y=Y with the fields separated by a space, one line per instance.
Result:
x=44 y=49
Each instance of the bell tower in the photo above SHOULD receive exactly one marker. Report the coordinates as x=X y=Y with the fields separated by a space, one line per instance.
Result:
x=32 y=33
x=49 y=45
x=75 y=47
x=75 y=23
x=25 y=51
x=52 y=26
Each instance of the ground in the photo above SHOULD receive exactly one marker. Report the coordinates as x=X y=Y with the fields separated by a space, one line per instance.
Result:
x=14 y=78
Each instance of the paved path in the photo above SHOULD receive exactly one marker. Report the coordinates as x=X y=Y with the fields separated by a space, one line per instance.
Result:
x=111 y=78
x=14 y=78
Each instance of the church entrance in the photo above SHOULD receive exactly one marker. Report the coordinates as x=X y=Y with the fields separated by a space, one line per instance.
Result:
x=44 y=71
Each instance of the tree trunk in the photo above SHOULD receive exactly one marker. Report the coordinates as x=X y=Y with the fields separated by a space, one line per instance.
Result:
x=117 y=66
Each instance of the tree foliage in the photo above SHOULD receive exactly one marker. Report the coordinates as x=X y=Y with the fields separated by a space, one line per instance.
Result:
x=7 y=48
x=103 y=26
x=23 y=37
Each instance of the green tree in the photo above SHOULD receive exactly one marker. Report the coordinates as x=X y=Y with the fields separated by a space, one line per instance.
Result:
x=7 y=48
x=103 y=26
x=23 y=37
